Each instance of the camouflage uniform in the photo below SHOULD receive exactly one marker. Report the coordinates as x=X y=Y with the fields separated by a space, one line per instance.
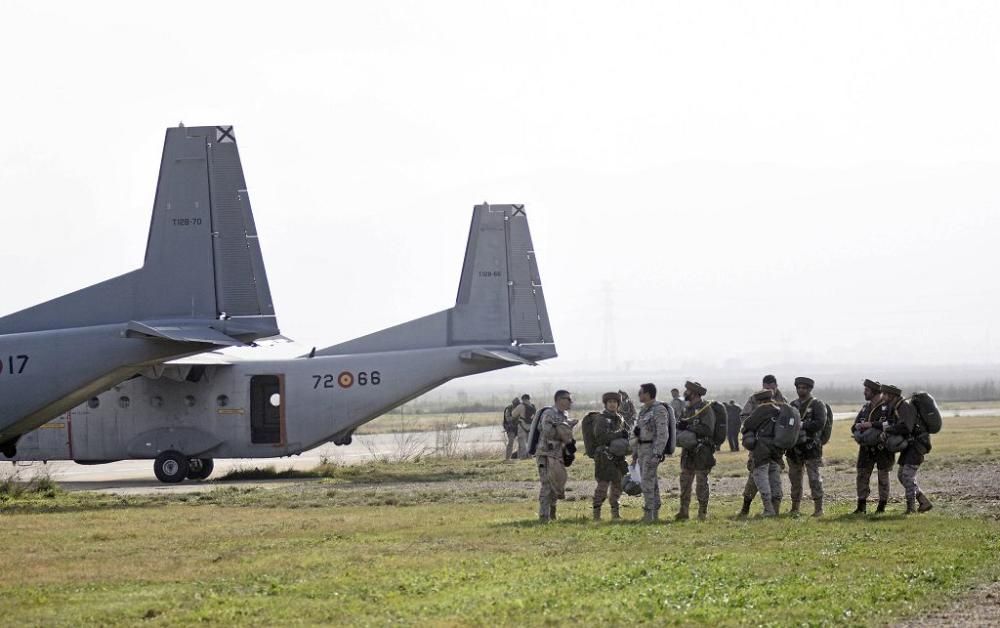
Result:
x=774 y=466
x=608 y=470
x=903 y=421
x=765 y=458
x=698 y=461
x=677 y=405
x=652 y=426
x=510 y=430
x=807 y=455
x=554 y=433
x=871 y=457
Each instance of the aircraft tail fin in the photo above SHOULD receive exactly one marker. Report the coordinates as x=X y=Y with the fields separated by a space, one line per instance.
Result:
x=203 y=259
x=500 y=299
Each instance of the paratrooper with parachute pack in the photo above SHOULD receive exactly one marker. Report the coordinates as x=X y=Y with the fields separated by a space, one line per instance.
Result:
x=867 y=431
x=554 y=431
x=912 y=433
x=807 y=454
x=523 y=415
x=606 y=436
x=770 y=382
x=510 y=428
x=696 y=436
x=770 y=430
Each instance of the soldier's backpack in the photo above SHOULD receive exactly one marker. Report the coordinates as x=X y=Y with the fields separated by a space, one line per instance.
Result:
x=824 y=436
x=589 y=437
x=671 y=431
x=534 y=432
x=529 y=410
x=927 y=411
x=787 y=425
x=509 y=423
x=721 y=433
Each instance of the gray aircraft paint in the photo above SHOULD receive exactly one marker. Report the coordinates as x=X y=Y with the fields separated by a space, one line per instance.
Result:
x=499 y=320
x=202 y=285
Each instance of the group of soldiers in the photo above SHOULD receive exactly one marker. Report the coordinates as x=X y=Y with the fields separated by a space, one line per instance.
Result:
x=644 y=432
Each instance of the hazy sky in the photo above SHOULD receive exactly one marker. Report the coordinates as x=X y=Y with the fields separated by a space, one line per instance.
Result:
x=750 y=182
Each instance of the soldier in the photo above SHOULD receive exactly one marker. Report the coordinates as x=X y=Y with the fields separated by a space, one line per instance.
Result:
x=676 y=403
x=764 y=456
x=523 y=414
x=903 y=422
x=611 y=441
x=627 y=410
x=872 y=417
x=733 y=425
x=770 y=383
x=652 y=431
x=510 y=428
x=808 y=451
x=555 y=431
x=696 y=462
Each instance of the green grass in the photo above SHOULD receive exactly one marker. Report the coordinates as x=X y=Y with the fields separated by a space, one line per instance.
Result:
x=444 y=541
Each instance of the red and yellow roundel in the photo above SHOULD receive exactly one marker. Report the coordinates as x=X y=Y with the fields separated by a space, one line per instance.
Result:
x=345 y=379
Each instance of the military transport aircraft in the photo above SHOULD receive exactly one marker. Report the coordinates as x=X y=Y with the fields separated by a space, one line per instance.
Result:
x=202 y=286
x=238 y=403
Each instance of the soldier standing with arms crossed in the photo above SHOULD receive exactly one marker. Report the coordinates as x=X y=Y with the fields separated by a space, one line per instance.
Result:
x=872 y=417
x=652 y=431
x=555 y=431
x=611 y=441
x=903 y=422
x=770 y=383
x=696 y=462
x=807 y=454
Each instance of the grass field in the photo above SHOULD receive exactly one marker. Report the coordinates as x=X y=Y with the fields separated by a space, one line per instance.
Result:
x=454 y=542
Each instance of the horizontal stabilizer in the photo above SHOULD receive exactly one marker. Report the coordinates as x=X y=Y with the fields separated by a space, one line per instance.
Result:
x=495 y=356
x=181 y=333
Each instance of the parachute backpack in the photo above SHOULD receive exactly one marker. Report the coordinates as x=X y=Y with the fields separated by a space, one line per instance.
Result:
x=721 y=433
x=786 y=427
x=671 y=431
x=927 y=411
x=589 y=437
x=535 y=432
x=827 y=432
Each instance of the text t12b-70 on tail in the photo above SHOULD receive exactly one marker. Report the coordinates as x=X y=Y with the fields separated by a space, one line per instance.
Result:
x=202 y=286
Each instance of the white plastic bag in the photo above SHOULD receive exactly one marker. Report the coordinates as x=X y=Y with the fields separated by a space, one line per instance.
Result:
x=634 y=473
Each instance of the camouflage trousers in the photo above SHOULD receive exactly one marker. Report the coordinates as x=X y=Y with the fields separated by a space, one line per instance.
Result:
x=511 y=443
x=648 y=467
x=601 y=492
x=811 y=467
x=772 y=476
x=552 y=478
x=688 y=477
x=908 y=478
x=864 y=483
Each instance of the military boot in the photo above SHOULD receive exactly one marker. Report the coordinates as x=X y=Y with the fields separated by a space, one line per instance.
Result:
x=795 y=508
x=656 y=514
x=682 y=514
x=862 y=507
x=777 y=506
x=597 y=514
x=745 y=510
x=615 y=514
x=647 y=515
x=552 y=512
x=911 y=508
x=818 y=507
x=925 y=504
x=769 y=510
x=702 y=511
x=881 y=506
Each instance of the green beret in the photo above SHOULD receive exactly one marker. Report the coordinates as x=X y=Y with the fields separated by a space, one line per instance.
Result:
x=696 y=388
x=889 y=389
x=763 y=395
x=611 y=396
x=804 y=381
x=873 y=386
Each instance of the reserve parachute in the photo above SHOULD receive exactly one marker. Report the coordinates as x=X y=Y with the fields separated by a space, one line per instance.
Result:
x=927 y=411
x=786 y=427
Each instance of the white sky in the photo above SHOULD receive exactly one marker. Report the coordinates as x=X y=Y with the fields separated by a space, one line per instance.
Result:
x=753 y=182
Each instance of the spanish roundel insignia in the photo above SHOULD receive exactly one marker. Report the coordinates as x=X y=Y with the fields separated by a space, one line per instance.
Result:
x=345 y=379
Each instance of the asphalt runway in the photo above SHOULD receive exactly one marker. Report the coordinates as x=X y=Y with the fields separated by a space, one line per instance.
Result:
x=136 y=476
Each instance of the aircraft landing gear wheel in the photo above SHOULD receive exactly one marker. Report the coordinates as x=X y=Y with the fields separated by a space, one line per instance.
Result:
x=200 y=468
x=170 y=467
